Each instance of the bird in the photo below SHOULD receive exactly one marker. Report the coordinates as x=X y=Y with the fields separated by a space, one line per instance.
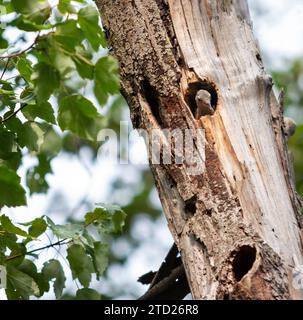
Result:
x=289 y=126
x=204 y=106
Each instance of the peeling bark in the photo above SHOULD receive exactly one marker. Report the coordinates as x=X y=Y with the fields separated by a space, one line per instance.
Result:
x=237 y=224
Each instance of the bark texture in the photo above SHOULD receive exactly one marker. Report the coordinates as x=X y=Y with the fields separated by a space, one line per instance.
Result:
x=237 y=223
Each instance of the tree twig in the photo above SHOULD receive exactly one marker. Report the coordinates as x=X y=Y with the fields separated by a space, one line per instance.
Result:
x=13 y=114
x=5 y=68
x=60 y=242
x=16 y=54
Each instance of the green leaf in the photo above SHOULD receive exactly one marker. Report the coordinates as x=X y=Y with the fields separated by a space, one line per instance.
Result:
x=10 y=154
x=88 y=294
x=82 y=59
x=100 y=258
x=3 y=43
x=11 y=192
x=25 y=69
x=52 y=269
x=65 y=6
x=17 y=254
x=46 y=80
x=37 y=228
x=118 y=219
x=107 y=79
x=14 y=124
x=29 y=268
x=27 y=97
x=34 y=14
x=8 y=226
x=31 y=135
x=6 y=99
x=52 y=142
x=79 y=115
x=68 y=35
x=97 y=215
x=70 y=230
x=8 y=7
x=88 y=18
x=35 y=177
x=60 y=58
x=26 y=22
x=9 y=241
x=23 y=284
x=87 y=239
x=44 y=111
x=80 y=263
x=112 y=213
x=8 y=144
x=29 y=6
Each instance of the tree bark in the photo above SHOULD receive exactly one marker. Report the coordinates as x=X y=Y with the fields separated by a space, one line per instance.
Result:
x=237 y=223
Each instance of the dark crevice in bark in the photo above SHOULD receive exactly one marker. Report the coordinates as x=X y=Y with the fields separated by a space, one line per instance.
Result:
x=243 y=261
x=190 y=206
x=151 y=96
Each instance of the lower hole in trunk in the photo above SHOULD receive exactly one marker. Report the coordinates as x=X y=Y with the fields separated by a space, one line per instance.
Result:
x=243 y=261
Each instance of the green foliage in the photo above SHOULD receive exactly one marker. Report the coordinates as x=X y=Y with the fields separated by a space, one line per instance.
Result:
x=11 y=192
x=20 y=285
x=52 y=269
x=9 y=227
x=80 y=263
x=87 y=294
x=291 y=81
x=106 y=78
x=109 y=217
x=43 y=74
x=79 y=115
x=89 y=22
x=85 y=254
x=41 y=86
x=36 y=176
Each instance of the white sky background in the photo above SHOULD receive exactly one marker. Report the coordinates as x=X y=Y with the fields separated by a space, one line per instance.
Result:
x=278 y=25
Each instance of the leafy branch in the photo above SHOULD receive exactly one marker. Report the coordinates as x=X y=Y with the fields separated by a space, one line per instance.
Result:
x=13 y=114
x=58 y=65
x=5 y=68
x=16 y=54
x=58 y=243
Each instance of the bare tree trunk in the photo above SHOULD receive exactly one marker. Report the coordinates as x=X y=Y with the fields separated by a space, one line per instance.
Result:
x=237 y=223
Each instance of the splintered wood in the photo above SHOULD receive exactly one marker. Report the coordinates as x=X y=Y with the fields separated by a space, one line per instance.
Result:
x=237 y=222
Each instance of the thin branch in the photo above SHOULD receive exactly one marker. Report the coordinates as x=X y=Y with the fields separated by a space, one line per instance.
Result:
x=10 y=78
x=5 y=68
x=13 y=114
x=16 y=54
x=58 y=243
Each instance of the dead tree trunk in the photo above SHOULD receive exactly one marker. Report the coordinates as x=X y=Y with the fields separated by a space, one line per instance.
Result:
x=237 y=223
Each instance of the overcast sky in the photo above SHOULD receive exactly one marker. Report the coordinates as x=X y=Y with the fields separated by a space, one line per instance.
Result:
x=278 y=25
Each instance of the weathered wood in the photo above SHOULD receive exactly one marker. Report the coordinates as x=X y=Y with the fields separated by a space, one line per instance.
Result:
x=237 y=223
